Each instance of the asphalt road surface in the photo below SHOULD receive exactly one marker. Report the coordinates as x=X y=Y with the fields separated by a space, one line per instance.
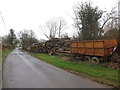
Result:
x=24 y=71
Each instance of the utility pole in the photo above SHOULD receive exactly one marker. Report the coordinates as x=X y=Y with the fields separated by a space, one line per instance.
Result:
x=60 y=29
x=3 y=20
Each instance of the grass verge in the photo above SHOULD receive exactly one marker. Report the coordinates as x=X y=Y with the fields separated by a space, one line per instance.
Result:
x=99 y=73
x=5 y=52
x=0 y=56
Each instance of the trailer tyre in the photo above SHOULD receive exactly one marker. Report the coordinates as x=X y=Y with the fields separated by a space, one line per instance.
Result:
x=96 y=60
x=87 y=58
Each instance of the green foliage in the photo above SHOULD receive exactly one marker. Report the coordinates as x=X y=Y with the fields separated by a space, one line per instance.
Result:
x=10 y=38
x=106 y=74
x=5 y=39
x=5 y=52
x=87 y=21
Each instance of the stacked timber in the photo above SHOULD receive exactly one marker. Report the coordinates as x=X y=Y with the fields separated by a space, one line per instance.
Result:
x=4 y=46
x=53 y=46
x=113 y=65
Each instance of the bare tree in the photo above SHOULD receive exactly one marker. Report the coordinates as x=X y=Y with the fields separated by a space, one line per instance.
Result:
x=110 y=24
x=54 y=27
x=62 y=25
x=65 y=35
x=107 y=16
x=44 y=32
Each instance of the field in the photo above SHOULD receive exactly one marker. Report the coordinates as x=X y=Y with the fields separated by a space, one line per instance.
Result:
x=101 y=74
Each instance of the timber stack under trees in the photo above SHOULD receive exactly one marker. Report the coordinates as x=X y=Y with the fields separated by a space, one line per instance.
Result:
x=53 y=46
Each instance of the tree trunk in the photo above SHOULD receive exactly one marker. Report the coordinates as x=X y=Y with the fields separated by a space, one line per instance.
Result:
x=118 y=49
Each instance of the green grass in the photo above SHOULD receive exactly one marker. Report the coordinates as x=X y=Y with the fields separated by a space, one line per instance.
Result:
x=107 y=75
x=0 y=56
x=5 y=52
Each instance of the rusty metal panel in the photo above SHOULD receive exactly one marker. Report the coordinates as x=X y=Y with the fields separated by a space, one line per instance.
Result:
x=107 y=43
x=108 y=51
x=73 y=44
x=99 y=52
x=89 y=51
x=74 y=50
x=98 y=44
x=81 y=44
x=113 y=43
x=110 y=43
x=89 y=44
x=96 y=47
x=81 y=50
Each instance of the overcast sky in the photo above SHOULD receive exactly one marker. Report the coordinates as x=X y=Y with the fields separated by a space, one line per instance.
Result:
x=30 y=14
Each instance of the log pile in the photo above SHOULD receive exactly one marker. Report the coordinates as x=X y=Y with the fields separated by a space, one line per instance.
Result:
x=113 y=65
x=115 y=57
x=4 y=46
x=53 y=46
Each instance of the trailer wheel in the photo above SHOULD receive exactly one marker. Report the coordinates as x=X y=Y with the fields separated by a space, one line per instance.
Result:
x=96 y=60
x=87 y=58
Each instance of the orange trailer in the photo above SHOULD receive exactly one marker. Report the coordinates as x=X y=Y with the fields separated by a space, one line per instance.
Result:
x=101 y=48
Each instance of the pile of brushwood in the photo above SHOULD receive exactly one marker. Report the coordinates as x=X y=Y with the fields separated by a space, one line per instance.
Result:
x=115 y=60
x=8 y=46
x=53 y=46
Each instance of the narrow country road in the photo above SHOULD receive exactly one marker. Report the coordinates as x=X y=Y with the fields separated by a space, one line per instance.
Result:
x=24 y=71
